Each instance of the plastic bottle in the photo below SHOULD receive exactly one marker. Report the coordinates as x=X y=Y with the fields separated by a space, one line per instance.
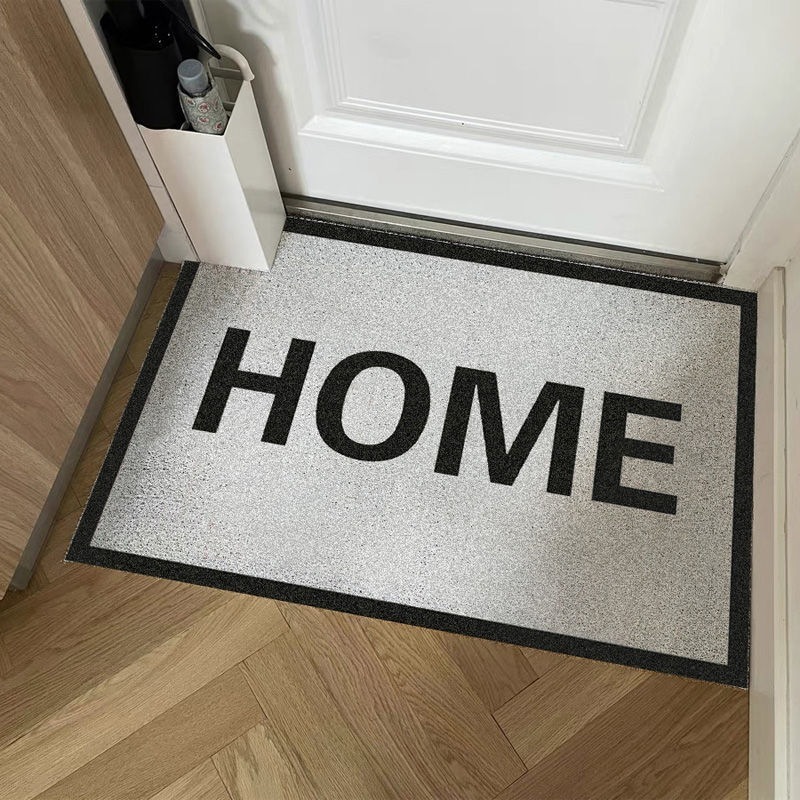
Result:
x=200 y=99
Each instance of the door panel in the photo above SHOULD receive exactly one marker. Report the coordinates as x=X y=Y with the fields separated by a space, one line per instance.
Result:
x=77 y=226
x=451 y=86
x=652 y=124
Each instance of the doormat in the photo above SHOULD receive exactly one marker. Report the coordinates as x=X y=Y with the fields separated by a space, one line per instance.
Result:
x=496 y=444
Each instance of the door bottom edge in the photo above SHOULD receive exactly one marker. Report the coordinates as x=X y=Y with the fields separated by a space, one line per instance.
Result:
x=506 y=239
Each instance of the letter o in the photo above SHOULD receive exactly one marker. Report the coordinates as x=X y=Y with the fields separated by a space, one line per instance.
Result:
x=416 y=406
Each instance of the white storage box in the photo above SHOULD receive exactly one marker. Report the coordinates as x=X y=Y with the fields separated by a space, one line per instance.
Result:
x=224 y=187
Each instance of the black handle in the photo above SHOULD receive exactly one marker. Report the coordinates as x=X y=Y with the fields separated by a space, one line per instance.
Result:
x=192 y=32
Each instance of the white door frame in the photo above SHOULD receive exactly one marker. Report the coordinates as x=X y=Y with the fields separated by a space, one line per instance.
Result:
x=769 y=750
x=767 y=259
x=775 y=638
x=771 y=237
x=792 y=529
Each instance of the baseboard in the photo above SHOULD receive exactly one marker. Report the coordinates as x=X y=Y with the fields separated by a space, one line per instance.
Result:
x=27 y=562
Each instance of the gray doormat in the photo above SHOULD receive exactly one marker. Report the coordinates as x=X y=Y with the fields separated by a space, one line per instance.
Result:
x=506 y=446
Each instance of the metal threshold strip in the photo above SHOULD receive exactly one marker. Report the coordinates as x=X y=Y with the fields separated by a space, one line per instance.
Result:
x=499 y=238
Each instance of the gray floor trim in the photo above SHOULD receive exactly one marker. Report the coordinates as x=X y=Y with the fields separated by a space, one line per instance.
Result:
x=515 y=241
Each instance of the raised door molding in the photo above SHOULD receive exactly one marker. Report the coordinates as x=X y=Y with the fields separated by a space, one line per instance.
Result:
x=562 y=103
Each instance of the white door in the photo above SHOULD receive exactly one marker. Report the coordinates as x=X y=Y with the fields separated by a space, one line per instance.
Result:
x=653 y=124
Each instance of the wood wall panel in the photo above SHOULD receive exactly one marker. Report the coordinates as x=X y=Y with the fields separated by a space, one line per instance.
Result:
x=77 y=225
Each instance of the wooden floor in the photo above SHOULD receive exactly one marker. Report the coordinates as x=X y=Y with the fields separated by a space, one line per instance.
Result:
x=115 y=685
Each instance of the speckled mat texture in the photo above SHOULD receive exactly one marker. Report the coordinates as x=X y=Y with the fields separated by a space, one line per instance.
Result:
x=497 y=444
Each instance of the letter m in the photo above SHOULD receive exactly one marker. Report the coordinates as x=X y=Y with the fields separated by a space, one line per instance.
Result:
x=505 y=464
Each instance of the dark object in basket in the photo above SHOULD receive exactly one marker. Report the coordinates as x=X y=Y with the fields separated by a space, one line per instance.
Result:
x=147 y=41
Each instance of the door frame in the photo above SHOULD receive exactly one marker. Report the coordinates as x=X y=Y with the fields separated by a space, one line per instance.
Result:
x=775 y=639
x=771 y=237
x=792 y=527
x=767 y=259
x=768 y=698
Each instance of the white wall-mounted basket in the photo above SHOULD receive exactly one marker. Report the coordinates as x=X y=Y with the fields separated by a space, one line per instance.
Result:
x=224 y=187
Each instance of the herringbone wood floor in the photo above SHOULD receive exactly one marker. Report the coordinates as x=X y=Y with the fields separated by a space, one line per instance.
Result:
x=121 y=686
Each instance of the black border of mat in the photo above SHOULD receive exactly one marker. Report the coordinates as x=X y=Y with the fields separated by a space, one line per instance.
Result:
x=735 y=672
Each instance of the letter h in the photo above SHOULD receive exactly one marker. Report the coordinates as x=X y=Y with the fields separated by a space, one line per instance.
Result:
x=226 y=375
